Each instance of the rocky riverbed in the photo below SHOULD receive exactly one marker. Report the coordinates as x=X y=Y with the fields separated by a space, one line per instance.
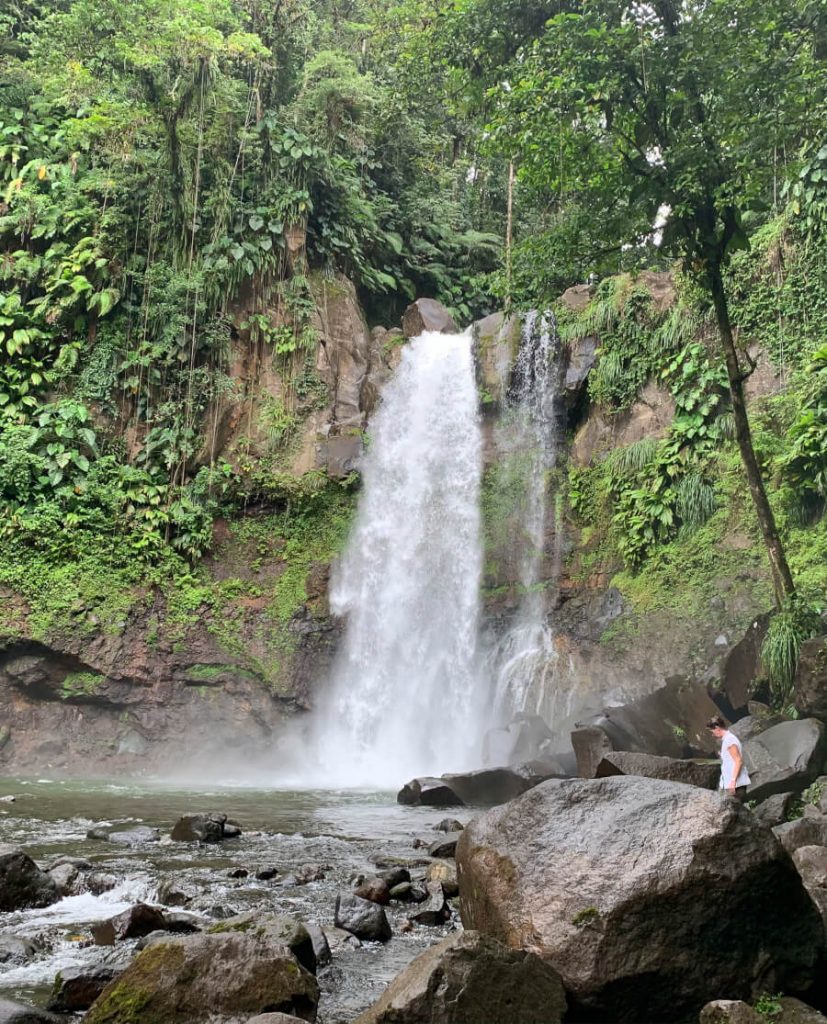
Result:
x=305 y=848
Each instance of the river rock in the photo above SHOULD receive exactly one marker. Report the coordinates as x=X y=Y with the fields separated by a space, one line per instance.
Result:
x=805 y=831
x=14 y=949
x=729 y=1011
x=267 y=874
x=308 y=873
x=361 y=918
x=339 y=939
x=199 y=828
x=181 y=923
x=99 y=882
x=277 y=929
x=446 y=847
x=613 y=880
x=445 y=873
x=65 y=877
x=810 y=689
x=22 y=883
x=490 y=786
x=428 y=792
x=704 y=774
x=76 y=988
x=134 y=836
x=131 y=924
x=374 y=889
x=395 y=876
x=449 y=825
x=470 y=979
x=19 y=1013
x=785 y=758
x=321 y=947
x=434 y=911
x=426 y=315
x=207 y=978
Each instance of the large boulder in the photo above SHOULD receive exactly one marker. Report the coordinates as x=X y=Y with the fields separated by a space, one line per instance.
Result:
x=811 y=679
x=804 y=831
x=485 y=787
x=201 y=978
x=429 y=792
x=276 y=929
x=649 y=897
x=14 y=949
x=470 y=979
x=704 y=774
x=785 y=758
x=427 y=315
x=670 y=722
x=811 y=862
x=22 y=883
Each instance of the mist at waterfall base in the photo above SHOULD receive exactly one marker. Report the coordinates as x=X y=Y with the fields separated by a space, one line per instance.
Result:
x=403 y=698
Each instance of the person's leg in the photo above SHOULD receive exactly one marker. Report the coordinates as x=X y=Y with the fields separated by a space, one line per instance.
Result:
x=741 y=794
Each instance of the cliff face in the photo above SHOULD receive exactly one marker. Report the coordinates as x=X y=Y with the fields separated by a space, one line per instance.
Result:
x=107 y=680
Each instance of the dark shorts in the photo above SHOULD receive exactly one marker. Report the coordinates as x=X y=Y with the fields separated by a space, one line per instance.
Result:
x=740 y=794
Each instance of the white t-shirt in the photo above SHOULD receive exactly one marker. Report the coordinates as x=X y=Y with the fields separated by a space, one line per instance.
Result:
x=728 y=740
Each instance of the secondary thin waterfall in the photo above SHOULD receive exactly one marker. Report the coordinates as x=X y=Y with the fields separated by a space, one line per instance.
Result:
x=524 y=658
x=402 y=699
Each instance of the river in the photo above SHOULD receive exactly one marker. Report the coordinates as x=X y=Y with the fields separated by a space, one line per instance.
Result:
x=343 y=831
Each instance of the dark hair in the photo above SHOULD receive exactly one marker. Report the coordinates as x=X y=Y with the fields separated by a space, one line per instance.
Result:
x=716 y=722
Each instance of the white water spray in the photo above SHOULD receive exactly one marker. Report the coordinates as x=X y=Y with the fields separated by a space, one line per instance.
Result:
x=402 y=698
x=524 y=658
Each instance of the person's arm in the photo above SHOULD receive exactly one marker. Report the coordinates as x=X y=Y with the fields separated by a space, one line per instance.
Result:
x=737 y=762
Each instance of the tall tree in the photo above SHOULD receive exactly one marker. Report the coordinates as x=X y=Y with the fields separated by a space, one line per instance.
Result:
x=686 y=107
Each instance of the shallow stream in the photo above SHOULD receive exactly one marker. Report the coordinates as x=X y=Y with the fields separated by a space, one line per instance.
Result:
x=344 y=831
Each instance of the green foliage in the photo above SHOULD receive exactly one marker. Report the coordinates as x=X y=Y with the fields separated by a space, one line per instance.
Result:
x=796 y=622
x=768 y=1006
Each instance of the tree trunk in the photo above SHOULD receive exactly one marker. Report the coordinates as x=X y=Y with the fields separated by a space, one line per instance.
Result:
x=781 y=576
x=509 y=227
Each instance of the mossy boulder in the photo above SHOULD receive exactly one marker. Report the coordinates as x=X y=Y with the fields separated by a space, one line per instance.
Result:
x=201 y=978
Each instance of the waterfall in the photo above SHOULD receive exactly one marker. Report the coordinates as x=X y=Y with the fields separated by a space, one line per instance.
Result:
x=402 y=693
x=524 y=657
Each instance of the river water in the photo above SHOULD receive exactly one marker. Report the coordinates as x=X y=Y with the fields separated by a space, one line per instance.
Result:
x=346 y=832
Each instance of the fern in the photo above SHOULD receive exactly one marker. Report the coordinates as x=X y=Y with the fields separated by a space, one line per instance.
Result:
x=679 y=327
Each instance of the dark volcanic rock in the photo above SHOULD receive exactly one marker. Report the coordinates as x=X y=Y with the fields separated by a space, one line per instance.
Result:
x=489 y=786
x=785 y=758
x=811 y=679
x=773 y=810
x=470 y=979
x=22 y=883
x=428 y=791
x=704 y=774
x=361 y=918
x=670 y=722
x=613 y=882
x=200 y=978
x=76 y=988
x=395 y=876
x=131 y=924
x=811 y=863
x=199 y=828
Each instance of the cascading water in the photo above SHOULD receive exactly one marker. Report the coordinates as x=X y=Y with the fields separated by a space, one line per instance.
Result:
x=402 y=697
x=525 y=656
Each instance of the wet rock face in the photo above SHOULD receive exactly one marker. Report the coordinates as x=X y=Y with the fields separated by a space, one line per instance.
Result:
x=22 y=883
x=469 y=979
x=76 y=988
x=18 y=1013
x=614 y=880
x=200 y=978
